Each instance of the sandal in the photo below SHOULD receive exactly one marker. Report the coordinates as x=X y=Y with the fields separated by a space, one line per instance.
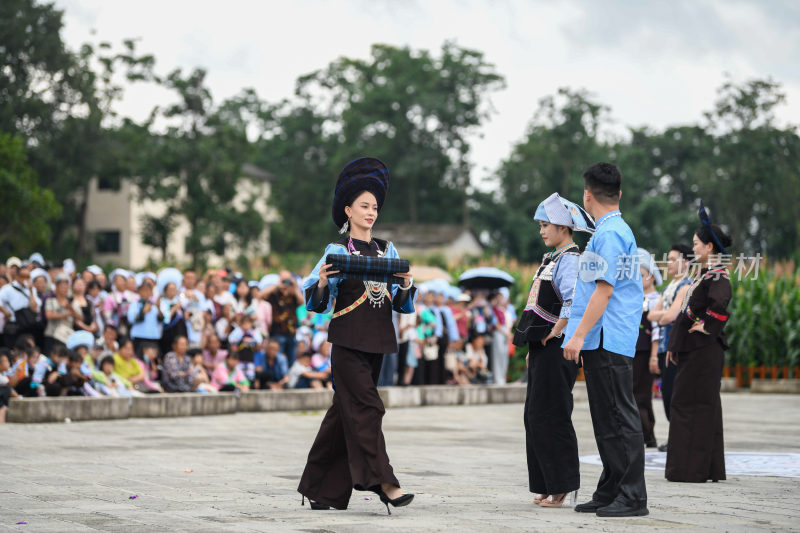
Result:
x=538 y=498
x=554 y=501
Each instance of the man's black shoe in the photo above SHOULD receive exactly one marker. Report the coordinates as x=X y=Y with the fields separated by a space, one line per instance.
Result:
x=589 y=507
x=663 y=447
x=618 y=509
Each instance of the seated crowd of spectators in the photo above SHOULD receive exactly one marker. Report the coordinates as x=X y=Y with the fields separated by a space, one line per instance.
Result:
x=67 y=332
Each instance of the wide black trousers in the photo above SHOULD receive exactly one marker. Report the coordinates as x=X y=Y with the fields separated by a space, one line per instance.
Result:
x=667 y=381
x=643 y=394
x=696 y=450
x=617 y=429
x=349 y=451
x=550 y=439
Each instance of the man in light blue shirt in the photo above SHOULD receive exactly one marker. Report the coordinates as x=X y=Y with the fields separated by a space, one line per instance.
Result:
x=143 y=317
x=602 y=332
x=448 y=322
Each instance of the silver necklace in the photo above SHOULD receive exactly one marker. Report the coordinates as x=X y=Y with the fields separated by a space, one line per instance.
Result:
x=617 y=214
x=376 y=291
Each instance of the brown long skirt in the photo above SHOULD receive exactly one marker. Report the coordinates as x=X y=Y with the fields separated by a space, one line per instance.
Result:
x=349 y=451
x=696 y=450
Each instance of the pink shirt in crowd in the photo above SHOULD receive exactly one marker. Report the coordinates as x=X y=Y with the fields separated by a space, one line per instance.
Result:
x=216 y=360
x=222 y=376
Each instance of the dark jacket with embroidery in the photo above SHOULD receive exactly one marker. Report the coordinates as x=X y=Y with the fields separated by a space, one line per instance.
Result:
x=544 y=301
x=367 y=327
x=706 y=301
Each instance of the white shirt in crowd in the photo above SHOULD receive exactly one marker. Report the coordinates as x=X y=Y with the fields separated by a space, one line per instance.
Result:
x=478 y=356
x=408 y=321
x=13 y=296
x=296 y=372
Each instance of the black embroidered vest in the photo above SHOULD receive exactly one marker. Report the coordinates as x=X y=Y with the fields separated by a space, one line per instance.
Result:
x=544 y=301
x=366 y=328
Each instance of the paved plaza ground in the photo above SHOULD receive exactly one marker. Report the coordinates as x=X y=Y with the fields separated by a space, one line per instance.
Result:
x=466 y=465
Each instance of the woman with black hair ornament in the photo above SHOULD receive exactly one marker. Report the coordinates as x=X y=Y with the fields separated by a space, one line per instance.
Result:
x=696 y=450
x=349 y=451
x=551 y=443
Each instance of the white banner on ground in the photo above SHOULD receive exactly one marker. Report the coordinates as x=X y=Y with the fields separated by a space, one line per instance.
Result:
x=763 y=464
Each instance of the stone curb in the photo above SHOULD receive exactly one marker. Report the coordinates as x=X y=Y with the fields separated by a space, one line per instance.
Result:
x=776 y=386
x=729 y=385
x=37 y=410
x=66 y=409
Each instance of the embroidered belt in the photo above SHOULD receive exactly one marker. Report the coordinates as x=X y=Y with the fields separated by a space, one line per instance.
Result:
x=352 y=306
x=692 y=316
x=721 y=318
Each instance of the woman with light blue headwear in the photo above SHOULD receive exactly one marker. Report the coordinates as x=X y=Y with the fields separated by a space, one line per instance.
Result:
x=552 y=447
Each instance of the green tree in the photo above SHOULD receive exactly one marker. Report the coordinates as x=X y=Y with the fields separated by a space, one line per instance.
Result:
x=157 y=230
x=754 y=179
x=91 y=141
x=61 y=103
x=297 y=152
x=35 y=79
x=410 y=108
x=562 y=140
x=197 y=165
x=28 y=209
x=744 y=167
x=659 y=196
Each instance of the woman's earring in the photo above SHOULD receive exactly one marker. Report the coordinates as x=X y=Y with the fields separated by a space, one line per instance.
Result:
x=344 y=227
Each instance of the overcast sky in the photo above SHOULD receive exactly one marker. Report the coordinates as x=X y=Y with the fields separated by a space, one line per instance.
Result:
x=654 y=63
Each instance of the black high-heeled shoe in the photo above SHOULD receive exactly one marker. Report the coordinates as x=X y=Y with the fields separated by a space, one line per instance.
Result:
x=400 y=501
x=315 y=506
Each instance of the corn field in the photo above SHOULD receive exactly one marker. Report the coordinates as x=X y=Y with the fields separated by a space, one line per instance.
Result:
x=764 y=327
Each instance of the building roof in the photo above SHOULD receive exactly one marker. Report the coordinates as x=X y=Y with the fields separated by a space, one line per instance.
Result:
x=252 y=171
x=422 y=235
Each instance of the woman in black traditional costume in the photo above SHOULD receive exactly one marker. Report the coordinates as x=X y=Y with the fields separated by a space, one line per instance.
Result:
x=646 y=359
x=551 y=443
x=664 y=313
x=349 y=451
x=696 y=451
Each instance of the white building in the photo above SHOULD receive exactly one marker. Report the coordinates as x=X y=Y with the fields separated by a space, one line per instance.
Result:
x=114 y=221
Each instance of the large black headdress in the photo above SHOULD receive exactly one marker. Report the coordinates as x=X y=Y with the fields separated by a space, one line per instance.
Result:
x=706 y=220
x=364 y=174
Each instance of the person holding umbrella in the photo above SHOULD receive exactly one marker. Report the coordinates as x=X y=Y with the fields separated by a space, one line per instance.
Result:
x=349 y=450
x=489 y=317
x=551 y=443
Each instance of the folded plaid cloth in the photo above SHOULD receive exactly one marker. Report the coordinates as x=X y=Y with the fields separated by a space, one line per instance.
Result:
x=366 y=268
